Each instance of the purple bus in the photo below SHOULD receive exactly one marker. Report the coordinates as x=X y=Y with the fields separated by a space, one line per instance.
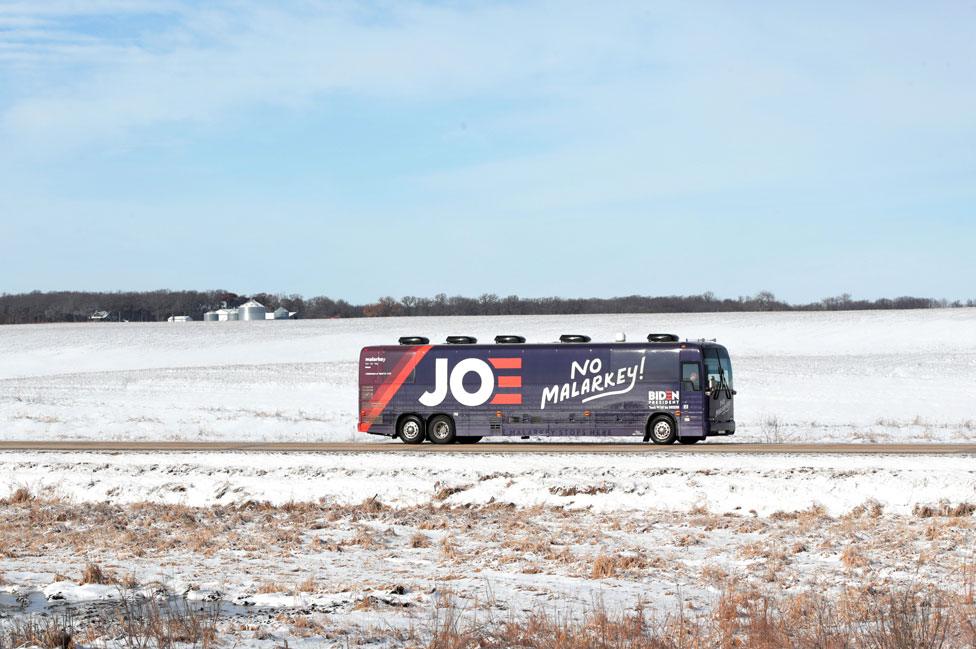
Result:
x=663 y=390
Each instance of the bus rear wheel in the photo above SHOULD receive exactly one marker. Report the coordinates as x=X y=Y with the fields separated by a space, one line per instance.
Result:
x=468 y=439
x=662 y=430
x=411 y=430
x=440 y=429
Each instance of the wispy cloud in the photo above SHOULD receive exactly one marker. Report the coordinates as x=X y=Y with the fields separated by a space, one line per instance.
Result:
x=221 y=58
x=73 y=83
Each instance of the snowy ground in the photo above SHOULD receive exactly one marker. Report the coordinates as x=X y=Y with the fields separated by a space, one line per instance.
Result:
x=861 y=376
x=599 y=482
x=293 y=546
x=307 y=548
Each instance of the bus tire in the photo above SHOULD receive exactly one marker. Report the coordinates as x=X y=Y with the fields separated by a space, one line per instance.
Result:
x=440 y=429
x=410 y=429
x=690 y=440
x=662 y=430
x=468 y=439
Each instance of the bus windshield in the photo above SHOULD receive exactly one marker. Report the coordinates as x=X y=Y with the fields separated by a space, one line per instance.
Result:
x=726 y=362
x=718 y=366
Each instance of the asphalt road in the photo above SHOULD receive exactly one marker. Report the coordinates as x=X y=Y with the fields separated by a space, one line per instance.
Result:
x=493 y=447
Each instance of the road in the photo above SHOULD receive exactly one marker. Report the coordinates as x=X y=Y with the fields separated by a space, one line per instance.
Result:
x=492 y=447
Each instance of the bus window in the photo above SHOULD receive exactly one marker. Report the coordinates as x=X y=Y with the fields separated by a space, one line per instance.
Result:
x=726 y=363
x=660 y=366
x=713 y=367
x=690 y=377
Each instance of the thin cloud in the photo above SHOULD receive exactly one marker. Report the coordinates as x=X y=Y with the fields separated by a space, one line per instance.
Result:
x=215 y=61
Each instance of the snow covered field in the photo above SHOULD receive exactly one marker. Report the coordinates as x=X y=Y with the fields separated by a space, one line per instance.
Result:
x=349 y=549
x=342 y=549
x=854 y=376
x=760 y=485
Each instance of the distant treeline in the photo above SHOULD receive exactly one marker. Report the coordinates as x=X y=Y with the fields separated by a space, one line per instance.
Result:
x=150 y=306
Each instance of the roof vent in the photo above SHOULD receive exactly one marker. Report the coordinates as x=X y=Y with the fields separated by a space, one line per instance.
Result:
x=509 y=340
x=662 y=338
x=461 y=340
x=574 y=338
x=414 y=340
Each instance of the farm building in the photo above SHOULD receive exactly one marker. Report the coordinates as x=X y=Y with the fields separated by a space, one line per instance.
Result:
x=250 y=310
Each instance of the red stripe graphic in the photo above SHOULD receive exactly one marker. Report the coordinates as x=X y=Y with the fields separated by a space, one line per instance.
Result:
x=510 y=381
x=506 y=363
x=507 y=399
x=386 y=392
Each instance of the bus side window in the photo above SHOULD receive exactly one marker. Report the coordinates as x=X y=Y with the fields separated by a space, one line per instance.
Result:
x=690 y=377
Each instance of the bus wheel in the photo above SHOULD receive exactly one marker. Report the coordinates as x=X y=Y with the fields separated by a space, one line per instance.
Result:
x=662 y=430
x=440 y=429
x=468 y=440
x=411 y=429
x=689 y=440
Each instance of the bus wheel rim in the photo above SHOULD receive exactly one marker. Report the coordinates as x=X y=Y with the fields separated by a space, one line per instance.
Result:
x=441 y=430
x=662 y=430
x=411 y=429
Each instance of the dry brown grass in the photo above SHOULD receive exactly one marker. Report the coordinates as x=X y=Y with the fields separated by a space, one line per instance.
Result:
x=303 y=626
x=21 y=495
x=853 y=557
x=711 y=574
x=365 y=538
x=94 y=574
x=132 y=623
x=870 y=508
x=267 y=587
x=767 y=549
x=48 y=633
x=944 y=508
x=499 y=536
x=528 y=545
x=742 y=619
x=444 y=492
x=449 y=548
x=607 y=566
x=867 y=616
x=369 y=507
x=573 y=490
x=419 y=540
x=308 y=585
x=129 y=581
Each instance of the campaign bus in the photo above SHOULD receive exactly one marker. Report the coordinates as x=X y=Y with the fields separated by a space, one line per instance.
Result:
x=663 y=390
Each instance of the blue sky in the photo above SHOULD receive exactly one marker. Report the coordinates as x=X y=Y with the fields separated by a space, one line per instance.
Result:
x=539 y=148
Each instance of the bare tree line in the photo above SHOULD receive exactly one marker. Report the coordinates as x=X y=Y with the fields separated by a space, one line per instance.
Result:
x=152 y=306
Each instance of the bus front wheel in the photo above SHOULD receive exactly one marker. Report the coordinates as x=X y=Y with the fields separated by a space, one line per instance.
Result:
x=662 y=430
x=440 y=429
x=411 y=429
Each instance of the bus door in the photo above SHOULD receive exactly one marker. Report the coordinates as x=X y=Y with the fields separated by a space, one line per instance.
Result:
x=718 y=388
x=691 y=423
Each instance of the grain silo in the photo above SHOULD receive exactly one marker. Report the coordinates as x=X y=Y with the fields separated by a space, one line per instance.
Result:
x=211 y=316
x=281 y=313
x=252 y=310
